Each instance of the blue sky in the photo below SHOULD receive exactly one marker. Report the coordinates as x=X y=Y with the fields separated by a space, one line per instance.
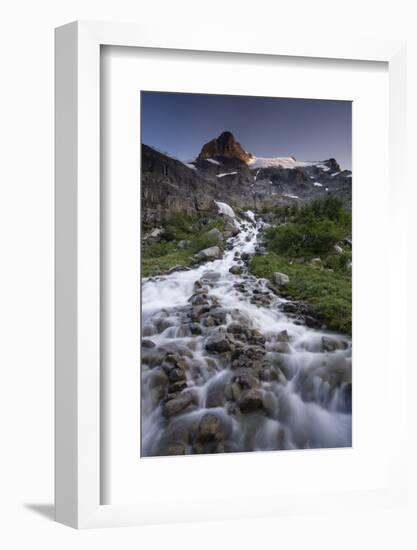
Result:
x=307 y=129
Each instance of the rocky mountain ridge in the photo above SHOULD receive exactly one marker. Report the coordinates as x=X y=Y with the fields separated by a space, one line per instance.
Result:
x=225 y=171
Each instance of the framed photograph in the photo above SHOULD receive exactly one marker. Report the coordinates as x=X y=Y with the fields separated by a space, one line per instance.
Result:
x=226 y=328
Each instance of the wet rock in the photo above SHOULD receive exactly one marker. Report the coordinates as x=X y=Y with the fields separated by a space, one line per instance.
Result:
x=210 y=277
x=198 y=311
x=209 y=321
x=152 y=356
x=175 y=449
x=176 y=433
x=235 y=270
x=232 y=391
x=245 y=256
x=218 y=343
x=235 y=328
x=147 y=343
x=158 y=385
x=177 y=405
x=198 y=285
x=310 y=321
x=210 y=429
x=283 y=336
x=211 y=253
x=280 y=279
x=256 y=337
x=209 y=447
x=199 y=300
x=246 y=381
x=227 y=447
x=158 y=377
x=195 y=328
x=219 y=314
x=249 y=353
x=176 y=374
x=178 y=386
x=172 y=361
x=251 y=401
x=230 y=227
x=332 y=344
x=268 y=374
x=175 y=347
x=162 y=324
x=338 y=249
x=289 y=307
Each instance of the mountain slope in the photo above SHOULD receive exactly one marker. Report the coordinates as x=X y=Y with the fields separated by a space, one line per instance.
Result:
x=225 y=171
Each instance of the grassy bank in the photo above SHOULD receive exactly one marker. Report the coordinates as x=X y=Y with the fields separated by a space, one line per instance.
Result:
x=182 y=236
x=304 y=244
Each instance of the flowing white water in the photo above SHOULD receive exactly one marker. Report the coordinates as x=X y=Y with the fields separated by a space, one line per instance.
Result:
x=293 y=393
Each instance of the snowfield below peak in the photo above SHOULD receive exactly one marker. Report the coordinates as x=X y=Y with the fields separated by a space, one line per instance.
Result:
x=283 y=162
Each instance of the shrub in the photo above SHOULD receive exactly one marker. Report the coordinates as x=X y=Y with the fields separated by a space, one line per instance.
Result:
x=304 y=239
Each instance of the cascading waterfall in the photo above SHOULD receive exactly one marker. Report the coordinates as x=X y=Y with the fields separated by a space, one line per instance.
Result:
x=224 y=369
x=225 y=209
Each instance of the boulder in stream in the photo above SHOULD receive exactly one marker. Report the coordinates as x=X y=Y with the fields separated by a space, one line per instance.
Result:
x=251 y=401
x=235 y=270
x=210 y=428
x=178 y=404
x=211 y=253
x=218 y=343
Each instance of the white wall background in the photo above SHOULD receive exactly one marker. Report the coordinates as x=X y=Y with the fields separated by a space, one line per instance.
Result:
x=26 y=272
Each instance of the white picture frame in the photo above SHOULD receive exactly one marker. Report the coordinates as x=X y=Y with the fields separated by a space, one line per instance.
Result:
x=78 y=404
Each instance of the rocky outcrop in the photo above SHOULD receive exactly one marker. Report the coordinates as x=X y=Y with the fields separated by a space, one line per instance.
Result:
x=280 y=279
x=168 y=185
x=224 y=146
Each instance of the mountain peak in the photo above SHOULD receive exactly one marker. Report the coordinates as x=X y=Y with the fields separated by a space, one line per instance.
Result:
x=224 y=146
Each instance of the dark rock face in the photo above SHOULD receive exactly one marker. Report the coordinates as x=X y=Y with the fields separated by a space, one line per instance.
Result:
x=224 y=146
x=168 y=184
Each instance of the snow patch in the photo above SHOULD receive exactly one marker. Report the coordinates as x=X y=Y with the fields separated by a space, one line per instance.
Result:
x=283 y=162
x=226 y=174
x=290 y=196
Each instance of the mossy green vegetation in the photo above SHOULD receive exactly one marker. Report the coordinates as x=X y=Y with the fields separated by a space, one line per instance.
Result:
x=159 y=257
x=301 y=234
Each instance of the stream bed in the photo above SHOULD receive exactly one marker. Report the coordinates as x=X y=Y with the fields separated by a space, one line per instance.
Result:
x=230 y=366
